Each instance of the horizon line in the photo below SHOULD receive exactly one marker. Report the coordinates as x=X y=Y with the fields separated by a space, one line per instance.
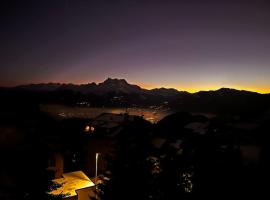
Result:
x=143 y=86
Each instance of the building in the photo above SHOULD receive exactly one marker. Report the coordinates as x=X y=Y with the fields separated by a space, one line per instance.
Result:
x=102 y=135
x=109 y=124
x=99 y=135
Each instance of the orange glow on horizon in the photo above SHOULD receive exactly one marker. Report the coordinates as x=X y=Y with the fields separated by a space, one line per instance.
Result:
x=191 y=88
x=146 y=86
x=194 y=89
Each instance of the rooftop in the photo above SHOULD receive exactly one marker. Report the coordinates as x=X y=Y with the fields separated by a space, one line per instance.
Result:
x=70 y=183
x=111 y=120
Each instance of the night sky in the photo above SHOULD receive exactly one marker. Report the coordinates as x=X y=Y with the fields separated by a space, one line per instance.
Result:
x=189 y=46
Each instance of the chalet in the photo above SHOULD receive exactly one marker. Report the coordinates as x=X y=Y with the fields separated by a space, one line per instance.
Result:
x=102 y=135
x=109 y=124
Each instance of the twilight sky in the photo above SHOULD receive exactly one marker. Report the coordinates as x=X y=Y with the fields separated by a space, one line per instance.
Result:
x=189 y=46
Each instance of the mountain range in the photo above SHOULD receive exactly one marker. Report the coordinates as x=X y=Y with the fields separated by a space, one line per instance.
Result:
x=119 y=93
x=120 y=86
x=109 y=85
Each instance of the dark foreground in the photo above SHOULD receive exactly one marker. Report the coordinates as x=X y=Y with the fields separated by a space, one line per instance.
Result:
x=183 y=156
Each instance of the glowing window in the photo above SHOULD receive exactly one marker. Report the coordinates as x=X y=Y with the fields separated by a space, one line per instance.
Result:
x=89 y=129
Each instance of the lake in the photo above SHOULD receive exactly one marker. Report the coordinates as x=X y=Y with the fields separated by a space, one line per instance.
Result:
x=61 y=112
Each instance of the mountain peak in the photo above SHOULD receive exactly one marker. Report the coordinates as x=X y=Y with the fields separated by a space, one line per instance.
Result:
x=226 y=89
x=114 y=81
x=118 y=85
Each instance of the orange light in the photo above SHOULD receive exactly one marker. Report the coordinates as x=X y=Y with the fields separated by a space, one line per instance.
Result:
x=92 y=129
x=89 y=129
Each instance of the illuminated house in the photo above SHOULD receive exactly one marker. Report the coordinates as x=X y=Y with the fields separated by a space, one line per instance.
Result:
x=74 y=186
x=109 y=124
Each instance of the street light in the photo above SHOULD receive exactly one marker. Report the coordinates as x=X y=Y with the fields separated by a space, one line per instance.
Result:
x=97 y=156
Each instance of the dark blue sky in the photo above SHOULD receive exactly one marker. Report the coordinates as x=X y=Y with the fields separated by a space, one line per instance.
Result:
x=190 y=46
